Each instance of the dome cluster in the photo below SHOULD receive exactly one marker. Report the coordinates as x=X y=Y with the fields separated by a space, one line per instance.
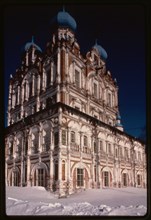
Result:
x=65 y=20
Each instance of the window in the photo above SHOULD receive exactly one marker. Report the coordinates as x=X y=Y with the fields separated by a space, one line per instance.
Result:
x=56 y=171
x=85 y=140
x=63 y=170
x=109 y=100
x=121 y=154
x=16 y=178
x=124 y=179
x=116 y=152
x=40 y=177
x=95 y=147
x=48 y=78
x=16 y=95
x=106 y=178
x=11 y=149
x=63 y=137
x=46 y=140
x=109 y=149
x=95 y=173
x=95 y=90
x=126 y=153
x=79 y=177
x=35 y=143
x=72 y=137
x=138 y=180
x=30 y=89
x=56 y=139
x=101 y=146
x=77 y=78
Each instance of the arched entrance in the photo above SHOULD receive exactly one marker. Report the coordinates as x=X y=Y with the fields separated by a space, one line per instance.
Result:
x=125 y=178
x=14 y=177
x=80 y=174
x=139 y=179
x=106 y=177
x=39 y=175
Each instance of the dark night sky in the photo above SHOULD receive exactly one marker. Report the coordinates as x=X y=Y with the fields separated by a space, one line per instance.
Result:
x=120 y=30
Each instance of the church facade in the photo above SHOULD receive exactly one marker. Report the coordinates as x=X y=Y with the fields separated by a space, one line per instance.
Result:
x=64 y=127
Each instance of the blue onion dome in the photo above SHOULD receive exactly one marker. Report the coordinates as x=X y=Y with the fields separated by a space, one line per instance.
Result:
x=30 y=44
x=101 y=50
x=64 y=19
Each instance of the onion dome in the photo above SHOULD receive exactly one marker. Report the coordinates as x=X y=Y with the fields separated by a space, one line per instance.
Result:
x=32 y=44
x=64 y=19
x=118 y=121
x=101 y=50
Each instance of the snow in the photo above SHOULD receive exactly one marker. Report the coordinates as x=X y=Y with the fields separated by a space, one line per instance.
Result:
x=95 y=202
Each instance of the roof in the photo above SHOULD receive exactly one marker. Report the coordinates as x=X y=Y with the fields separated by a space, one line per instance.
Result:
x=64 y=19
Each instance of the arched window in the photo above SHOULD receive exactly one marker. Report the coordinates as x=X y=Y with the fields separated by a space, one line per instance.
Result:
x=109 y=100
x=18 y=146
x=95 y=173
x=30 y=88
x=10 y=150
x=63 y=170
x=14 y=179
x=80 y=176
x=40 y=177
x=124 y=179
x=77 y=78
x=56 y=170
x=95 y=90
x=63 y=137
x=35 y=142
x=116 y=152
x=46 y=139
x=95 y=147
x=106 y=178
x=138 y=179
x=72 y=137
x=48 y=78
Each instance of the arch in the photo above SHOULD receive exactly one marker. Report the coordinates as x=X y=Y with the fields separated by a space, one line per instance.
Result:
x=34 y=129
x=39 y=175
x=107 y=177
x=125 y=177
x=40 y=165
x=82 y=165
x=14 y=176
x=46 y=125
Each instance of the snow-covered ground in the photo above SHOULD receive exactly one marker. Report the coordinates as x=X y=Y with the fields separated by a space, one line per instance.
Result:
x=38 y=201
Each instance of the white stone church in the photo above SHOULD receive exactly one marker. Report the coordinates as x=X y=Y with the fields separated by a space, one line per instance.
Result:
x=64 y=127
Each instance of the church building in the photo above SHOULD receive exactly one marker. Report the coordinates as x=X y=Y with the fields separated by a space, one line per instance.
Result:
x=64 y=126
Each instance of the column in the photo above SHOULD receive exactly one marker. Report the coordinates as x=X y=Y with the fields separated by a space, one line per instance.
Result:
x=22 y=164
x=98 y=163
x=58 y=76
x=59 y=163
x=33 y=85
x=68 y=162
x=18 y=96
x=28 y=162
